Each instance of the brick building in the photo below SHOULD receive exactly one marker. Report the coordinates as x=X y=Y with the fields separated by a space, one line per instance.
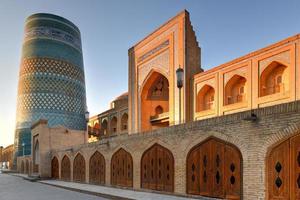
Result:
x=6 y=157
x=230 y=132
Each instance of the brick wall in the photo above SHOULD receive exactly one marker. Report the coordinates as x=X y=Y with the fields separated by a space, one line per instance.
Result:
x=253 y=139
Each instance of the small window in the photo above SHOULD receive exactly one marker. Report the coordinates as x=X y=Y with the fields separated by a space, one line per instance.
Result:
x=242 y=90
x=158 y=110
x=278 y=79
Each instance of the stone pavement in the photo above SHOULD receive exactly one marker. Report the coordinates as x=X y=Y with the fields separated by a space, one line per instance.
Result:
x=116 y=192
x=16 y=188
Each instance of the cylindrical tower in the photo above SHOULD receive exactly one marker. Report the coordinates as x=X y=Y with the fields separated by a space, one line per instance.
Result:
x=51 y=78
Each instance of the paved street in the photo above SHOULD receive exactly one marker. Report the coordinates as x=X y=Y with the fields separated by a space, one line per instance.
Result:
x=15 y=188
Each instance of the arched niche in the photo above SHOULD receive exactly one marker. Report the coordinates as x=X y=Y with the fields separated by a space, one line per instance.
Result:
x=273 y=79
x=235 y=90
x=205 y=98
x=124 y=122
x=114 y=125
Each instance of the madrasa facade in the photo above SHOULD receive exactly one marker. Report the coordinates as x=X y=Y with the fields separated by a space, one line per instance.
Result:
x=231 y=132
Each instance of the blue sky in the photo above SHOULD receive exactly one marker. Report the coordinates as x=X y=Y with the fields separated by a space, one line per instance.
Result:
x=225 y=30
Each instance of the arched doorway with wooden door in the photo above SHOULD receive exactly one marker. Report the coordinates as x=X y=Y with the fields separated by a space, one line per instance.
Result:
x=79 y=168
x=157 y=169
x=22 y=167
x=97 y=169
x=66 y=169
x=122 y=169
x=27 y=170
x=283 y=170
x=214 y=169
x=54 y=168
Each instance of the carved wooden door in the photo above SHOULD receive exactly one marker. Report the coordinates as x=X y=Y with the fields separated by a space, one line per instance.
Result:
x=97 y=169
x=79 y=168
x=121 y=169
x=232 y=170
x=214 y=169
x=284 y=170
x=157 y=169
x=54 y=168
x=65 y=169
x=295 y=167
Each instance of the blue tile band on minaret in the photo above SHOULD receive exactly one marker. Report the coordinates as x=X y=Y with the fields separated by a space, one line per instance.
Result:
x=51 y=79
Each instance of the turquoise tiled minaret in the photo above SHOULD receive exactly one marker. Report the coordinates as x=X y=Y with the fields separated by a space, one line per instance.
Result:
x=51 y=79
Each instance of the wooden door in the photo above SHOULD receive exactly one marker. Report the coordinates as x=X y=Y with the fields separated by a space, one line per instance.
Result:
x=66 y=169
x=122 y=169
x=216 y=177
x=54 y=168
x=157 y=169
x=79 y=168
x=295 y=167
x=214 y=170
x=278 y=172
x=284 y=170
x=97 y=168
x=193 y=172
x=232 y=170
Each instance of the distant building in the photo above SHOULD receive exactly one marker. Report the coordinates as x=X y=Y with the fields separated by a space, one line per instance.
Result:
x=110 y=122
x=6 y=157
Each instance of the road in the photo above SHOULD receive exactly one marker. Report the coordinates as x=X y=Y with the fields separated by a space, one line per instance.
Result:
x=16 y=188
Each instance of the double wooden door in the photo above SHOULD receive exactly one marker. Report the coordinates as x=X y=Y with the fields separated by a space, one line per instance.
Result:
x=54 y=168
x=214 y=170
x=157 y=169
x=122 y=169
x=66 y=169
x=283 y=170
x=97 y=169
x=79 y=168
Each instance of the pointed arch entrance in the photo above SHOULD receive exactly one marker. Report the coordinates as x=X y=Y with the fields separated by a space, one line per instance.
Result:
x=283 y=170
x=157 y=169
x=66 y=169
x=97 y=169
x=79 y=168
x=155 y=97
x=214 y=170
x=122 y=169
x=54 y=168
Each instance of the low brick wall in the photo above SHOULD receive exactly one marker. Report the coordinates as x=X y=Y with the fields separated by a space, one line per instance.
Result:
x=253 y=138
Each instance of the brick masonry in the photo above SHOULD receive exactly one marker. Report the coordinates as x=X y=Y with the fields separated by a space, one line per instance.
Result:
x=253 y=138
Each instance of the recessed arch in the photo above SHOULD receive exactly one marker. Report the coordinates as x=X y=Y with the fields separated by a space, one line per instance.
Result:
x=36 y=157
x=54 y=168
x=79 y=168
x=97 y=169
x=214 y=168
x=154 y=93
x=157 y=169
x=114 y=125
x=122 y=168
x=104 y=126
x=205 y=98
x=27 y=170
x=66 y=168
x=283 y=169
x=235 y=90
x=22 y=167
x=124 y=122
x=273 y=79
